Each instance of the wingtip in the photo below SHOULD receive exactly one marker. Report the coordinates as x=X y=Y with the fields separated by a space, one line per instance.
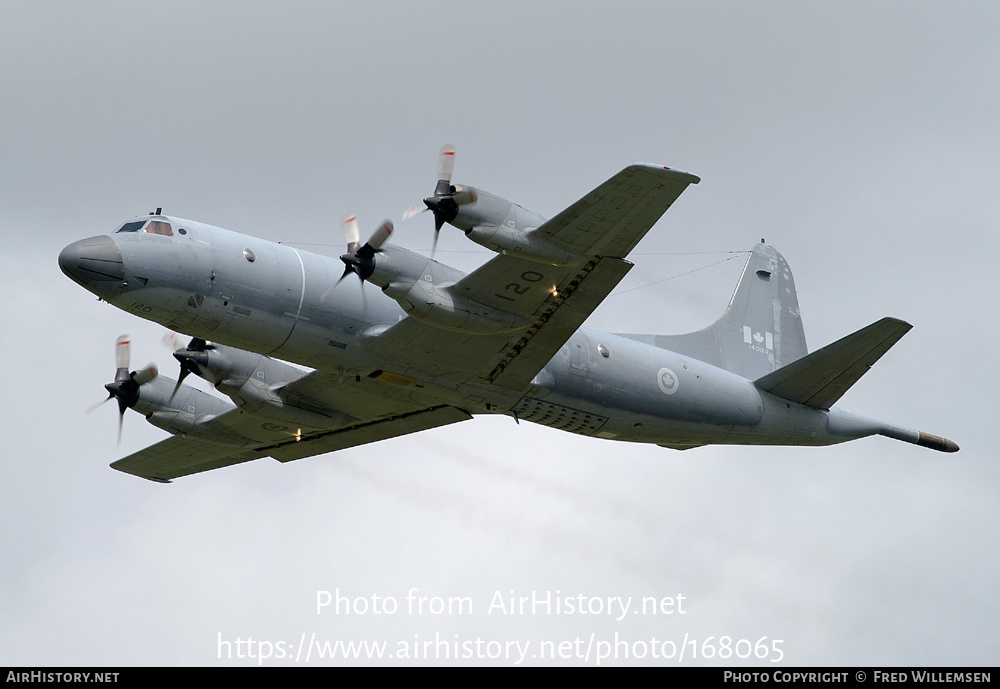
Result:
x=684 y=174
x=671 y=171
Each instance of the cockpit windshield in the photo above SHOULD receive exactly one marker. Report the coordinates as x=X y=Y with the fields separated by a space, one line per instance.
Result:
x=153 y=226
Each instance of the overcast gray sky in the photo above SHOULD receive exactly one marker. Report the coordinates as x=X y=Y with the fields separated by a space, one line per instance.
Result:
x=858 y=138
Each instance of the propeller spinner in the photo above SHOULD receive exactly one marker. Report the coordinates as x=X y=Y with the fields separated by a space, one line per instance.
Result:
x=360 y=259
x=191 y=357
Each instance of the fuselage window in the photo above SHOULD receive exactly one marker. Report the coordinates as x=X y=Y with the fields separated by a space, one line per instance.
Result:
x=134 y=226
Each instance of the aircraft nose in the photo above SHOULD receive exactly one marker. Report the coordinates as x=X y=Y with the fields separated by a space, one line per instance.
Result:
x=93 y=259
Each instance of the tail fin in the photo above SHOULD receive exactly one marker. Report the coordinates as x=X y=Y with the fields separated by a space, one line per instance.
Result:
x=761 y=329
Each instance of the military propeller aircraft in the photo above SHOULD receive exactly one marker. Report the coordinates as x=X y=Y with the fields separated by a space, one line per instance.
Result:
x=434 y=346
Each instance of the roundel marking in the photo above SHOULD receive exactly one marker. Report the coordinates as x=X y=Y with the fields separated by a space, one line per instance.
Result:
x=273 y=427
x=668 y=381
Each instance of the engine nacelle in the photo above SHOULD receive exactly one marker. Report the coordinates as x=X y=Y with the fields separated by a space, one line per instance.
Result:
x=184 y=423
x=442 y=307
x=505 y=227
x=256 y=383
x=267 y=400
x=427 y=290
x=188 y=411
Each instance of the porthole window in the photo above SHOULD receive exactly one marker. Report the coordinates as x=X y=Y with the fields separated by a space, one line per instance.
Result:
x=605 y=352
x=249 y=255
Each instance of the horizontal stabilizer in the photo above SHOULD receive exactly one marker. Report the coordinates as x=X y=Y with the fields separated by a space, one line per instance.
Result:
x=821 y=378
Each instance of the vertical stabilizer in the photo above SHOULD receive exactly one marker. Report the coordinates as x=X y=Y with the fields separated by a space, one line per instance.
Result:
x=761 y=329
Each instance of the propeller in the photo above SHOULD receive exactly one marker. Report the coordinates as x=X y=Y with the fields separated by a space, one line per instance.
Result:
x=191 y=357
x=360 y=259
x=125 y=387
x=447 y=198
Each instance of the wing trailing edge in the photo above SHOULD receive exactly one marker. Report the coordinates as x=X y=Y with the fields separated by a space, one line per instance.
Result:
x=821 y=378
x=363 y=433
x=179 y=456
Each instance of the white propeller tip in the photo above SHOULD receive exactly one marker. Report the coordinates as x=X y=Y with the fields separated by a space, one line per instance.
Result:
x=122 y=354
x=351 y=231
x=447 y=163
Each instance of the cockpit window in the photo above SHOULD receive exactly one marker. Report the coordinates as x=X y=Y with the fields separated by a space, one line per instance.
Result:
x=159 y=227
x=149 y=226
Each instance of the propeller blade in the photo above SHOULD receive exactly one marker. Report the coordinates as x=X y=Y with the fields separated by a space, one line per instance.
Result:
x=180 y=379
x=446 y=165
x=414 y=211
x=95 y=405
x=172 y=341
x=145 y=375
x=190 y=360
x=122 y=355
x=381 y=235
x=351 y=232
x=326 y=293
x=464 y=196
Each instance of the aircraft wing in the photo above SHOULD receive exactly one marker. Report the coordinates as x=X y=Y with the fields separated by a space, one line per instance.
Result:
x=610 y=220
x=553 y=308
x=376 y=412
x=552 y=302
x=179 y=456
